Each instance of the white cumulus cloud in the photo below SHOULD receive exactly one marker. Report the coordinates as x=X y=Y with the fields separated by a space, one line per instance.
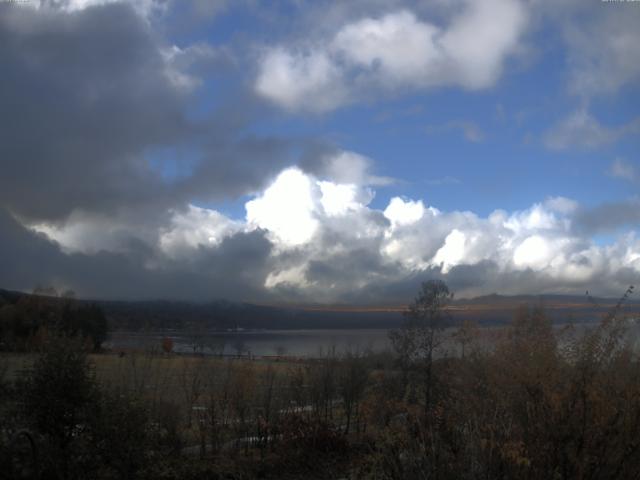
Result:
x=401 y=212
x=329 y=244
x=286 y=208
x=143 y=7
x=396 y=51
x=302 y=80
x=195 y=228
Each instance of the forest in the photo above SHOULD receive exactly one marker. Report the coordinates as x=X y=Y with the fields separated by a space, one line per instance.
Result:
x=541 y=402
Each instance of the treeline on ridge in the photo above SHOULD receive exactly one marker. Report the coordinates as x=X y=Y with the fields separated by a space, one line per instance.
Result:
x=26 y=321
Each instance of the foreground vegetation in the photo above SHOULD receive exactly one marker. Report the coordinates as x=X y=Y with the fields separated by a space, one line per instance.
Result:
x=539 y=404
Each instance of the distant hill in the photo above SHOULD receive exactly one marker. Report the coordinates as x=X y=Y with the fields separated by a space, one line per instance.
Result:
x=551 y=299
x=561 y=308
x=223 y=315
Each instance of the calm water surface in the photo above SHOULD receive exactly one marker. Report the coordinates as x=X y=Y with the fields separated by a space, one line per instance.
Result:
x=264 y=342
x=309 y=343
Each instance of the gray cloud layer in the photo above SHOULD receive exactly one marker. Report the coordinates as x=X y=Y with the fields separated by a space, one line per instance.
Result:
x=83 y=96
x=235 y=270
x=87 y=97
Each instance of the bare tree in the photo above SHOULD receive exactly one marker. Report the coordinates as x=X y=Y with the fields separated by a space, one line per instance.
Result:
x=465 y=335
x=218 y=401
x=352 y=382
x=216 y=344
x=197 y=336
x=239 y=346
x=323 y=385
x=242 y=396
x=421 y=334
x=192 y=383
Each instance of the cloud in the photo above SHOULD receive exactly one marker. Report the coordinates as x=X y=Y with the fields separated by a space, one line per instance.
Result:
x=145 y=8
x=231 y=164
x=581 y=129
x=601 y=60
x=343 y=166
x=200 y=10
x=182 y=11
x=394 y=52
x=624 y=170
x=193 y=229
x=93 y=96
x=602 y=49
x=300 y=80
x=77 y=124
x=91 y=234
x=338 y=199
x=401 y=212
x=202 y=57
x=562 y=205
x=398 y=46
x=609 y=217
x=286 y=208
x=90 y=201
x=470 y=130
x=235 y=269
x=293 y=206
x=316 y=240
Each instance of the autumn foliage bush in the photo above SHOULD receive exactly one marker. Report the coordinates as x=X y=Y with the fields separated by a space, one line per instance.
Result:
x=534 y=407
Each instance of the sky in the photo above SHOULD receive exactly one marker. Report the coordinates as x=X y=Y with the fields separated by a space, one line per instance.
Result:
x=332 y=152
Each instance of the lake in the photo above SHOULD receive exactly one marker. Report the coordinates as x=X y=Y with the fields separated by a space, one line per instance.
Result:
x=306 y=343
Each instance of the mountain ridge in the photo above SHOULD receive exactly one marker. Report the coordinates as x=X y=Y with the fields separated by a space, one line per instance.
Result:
x=491 y=309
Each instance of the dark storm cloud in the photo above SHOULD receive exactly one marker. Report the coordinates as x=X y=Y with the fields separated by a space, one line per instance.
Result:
x=87 y=97
x=315 y=158
x=485 y=278
x=240 y=265
x=608 y=217
x=83 y=96
x=235 y=270
x=234 y=168
x=347 y=269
